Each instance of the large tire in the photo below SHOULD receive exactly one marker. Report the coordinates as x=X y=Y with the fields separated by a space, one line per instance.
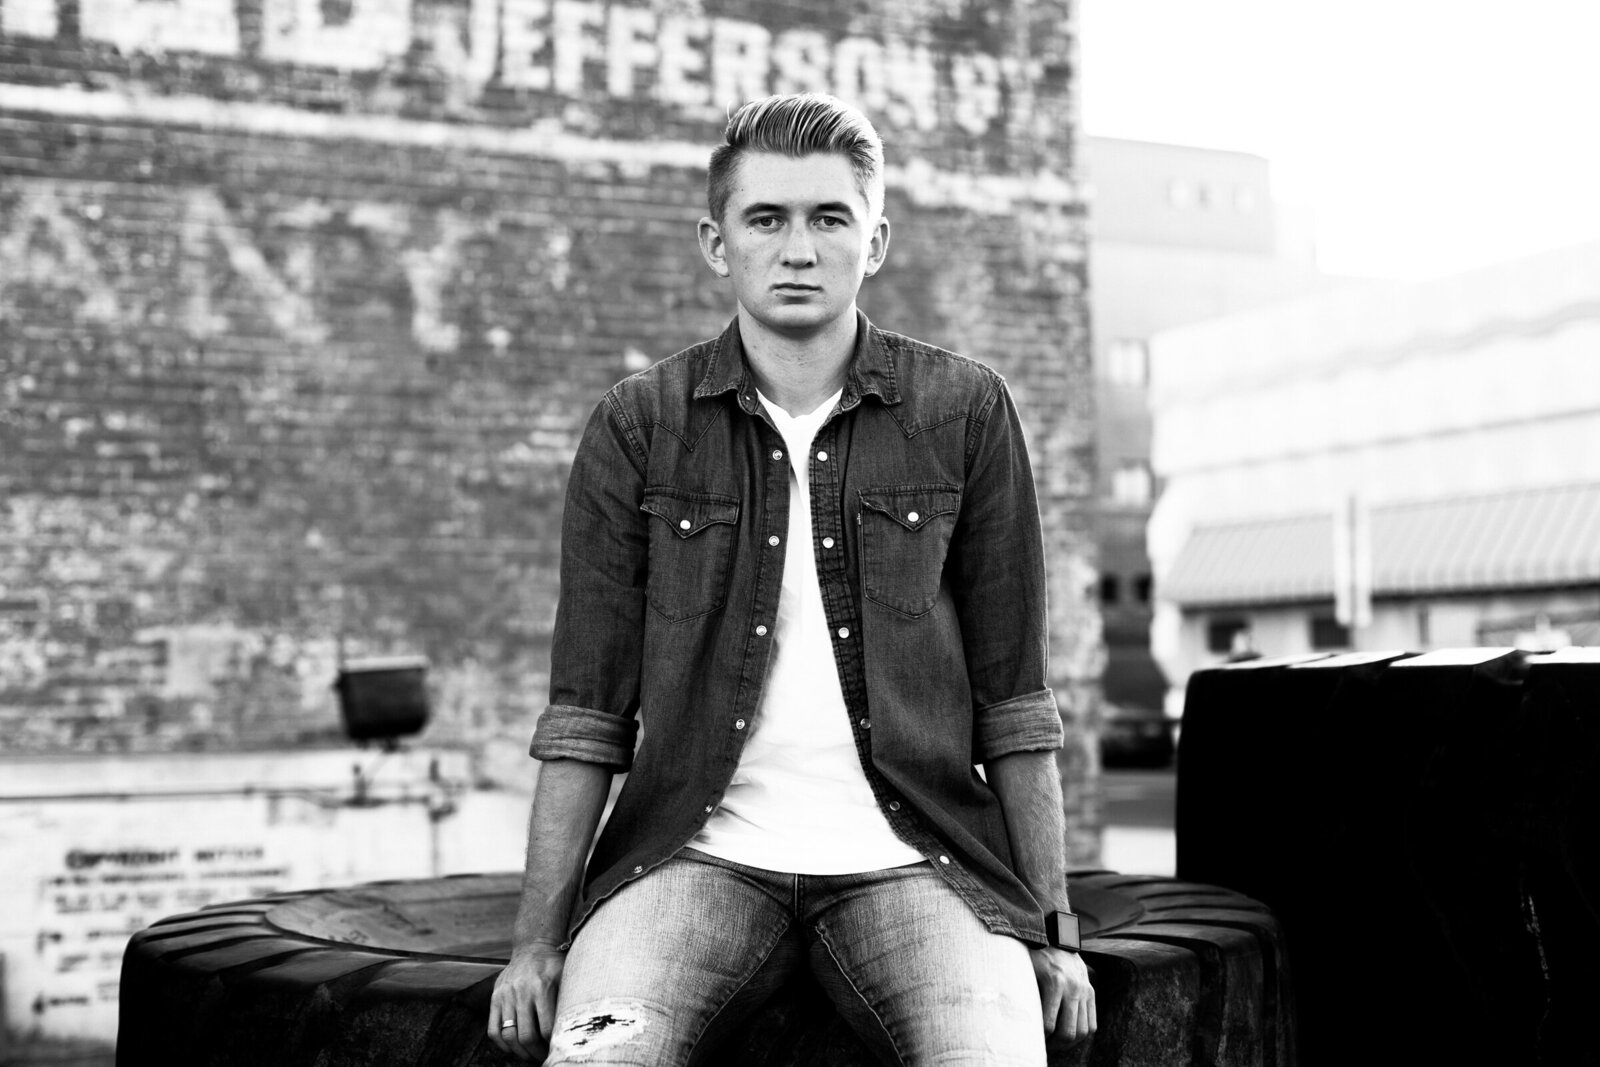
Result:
x=400 y=973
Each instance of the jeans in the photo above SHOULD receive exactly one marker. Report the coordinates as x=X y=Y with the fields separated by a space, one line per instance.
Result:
x=673 y=961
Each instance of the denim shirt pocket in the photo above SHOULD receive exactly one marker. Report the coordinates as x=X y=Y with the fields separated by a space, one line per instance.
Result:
x=691 y=548
x=905 y=533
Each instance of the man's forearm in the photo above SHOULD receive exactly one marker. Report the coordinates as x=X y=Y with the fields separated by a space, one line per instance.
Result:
x=1030 y=796
x=567 y=803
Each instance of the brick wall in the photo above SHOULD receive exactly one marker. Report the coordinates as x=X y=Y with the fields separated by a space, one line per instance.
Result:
x=303 y=304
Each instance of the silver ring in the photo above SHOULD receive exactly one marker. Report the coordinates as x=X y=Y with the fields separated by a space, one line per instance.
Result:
x=507 y=1026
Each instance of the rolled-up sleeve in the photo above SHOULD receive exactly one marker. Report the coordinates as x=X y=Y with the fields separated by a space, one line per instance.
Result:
x=596 y=649
x=1028 y=723
x=567 y=732
x=997 y=561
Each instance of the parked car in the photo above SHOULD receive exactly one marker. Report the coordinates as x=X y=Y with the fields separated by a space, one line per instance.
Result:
x=1134 y=736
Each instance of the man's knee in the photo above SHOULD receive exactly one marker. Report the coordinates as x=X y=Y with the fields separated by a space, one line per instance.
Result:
x=613 y=1030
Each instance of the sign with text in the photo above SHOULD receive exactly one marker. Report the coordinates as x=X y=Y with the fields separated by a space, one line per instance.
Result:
x=82 y=876
x=504 y=60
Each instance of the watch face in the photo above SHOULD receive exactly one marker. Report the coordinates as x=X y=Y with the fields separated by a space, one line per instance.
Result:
x=1062 y=929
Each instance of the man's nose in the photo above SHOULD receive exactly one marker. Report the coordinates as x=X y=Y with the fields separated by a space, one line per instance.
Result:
x=799 y=248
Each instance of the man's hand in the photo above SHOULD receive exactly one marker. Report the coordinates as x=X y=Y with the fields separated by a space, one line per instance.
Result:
x=1065 y=994
x=525 y=994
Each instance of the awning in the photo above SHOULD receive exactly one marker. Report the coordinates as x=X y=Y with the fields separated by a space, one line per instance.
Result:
x=1528 y=538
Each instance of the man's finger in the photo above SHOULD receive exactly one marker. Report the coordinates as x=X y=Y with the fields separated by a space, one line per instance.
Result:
x=544 y=1006
x=527 y=1036
x=1080 y=1021
x=503 y=1035
x=493 y=1024
x=1050 y=1003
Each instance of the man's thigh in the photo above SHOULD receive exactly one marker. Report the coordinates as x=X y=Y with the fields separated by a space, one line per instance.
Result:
x=920 y=977
x=670 y=962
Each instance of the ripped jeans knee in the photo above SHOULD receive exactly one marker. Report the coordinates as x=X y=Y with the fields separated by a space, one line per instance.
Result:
x=610 y=1031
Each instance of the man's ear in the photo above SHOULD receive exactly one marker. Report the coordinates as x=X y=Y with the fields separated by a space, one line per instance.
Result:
x=879 y=246
x=712 y=246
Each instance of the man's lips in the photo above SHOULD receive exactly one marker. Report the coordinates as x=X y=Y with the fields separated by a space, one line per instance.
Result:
x=797 y=287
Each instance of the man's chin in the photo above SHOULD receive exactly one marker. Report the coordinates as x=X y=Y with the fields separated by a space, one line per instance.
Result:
x=797 y=321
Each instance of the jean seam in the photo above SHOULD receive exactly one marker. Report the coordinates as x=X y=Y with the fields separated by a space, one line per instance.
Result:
x=894 y=1046
x=772 y=945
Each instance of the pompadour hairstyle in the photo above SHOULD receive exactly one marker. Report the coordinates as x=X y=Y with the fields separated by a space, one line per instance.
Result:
x=796 y=125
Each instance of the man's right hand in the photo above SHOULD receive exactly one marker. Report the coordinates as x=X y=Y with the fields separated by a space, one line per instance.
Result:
x=525 y=995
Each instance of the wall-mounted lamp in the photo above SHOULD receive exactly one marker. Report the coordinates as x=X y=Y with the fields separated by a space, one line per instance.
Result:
x=383 y=698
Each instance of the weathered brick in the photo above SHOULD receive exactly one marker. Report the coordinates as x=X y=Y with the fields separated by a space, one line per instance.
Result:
x=298 y=326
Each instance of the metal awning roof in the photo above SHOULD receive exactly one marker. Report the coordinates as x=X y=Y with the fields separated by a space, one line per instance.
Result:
x=1525 y=538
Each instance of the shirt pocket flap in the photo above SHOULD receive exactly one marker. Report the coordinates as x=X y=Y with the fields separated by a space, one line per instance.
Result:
x=688 y=513
x=913 y=506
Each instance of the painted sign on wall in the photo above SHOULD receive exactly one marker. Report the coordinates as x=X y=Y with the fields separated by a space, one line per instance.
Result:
x=119 y=849
x=494 y=53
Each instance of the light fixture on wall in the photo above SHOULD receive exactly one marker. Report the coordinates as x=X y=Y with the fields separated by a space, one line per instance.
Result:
x=383 y=698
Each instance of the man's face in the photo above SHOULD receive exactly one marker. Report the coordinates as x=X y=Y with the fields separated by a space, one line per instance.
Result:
x=796 y=240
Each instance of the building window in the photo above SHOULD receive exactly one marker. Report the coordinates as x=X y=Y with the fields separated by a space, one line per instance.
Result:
x=1226 y=635
x=1132 y=482
x=1328 y=633
x=1128 y=362
x=1141 y=588
x=1110 y=589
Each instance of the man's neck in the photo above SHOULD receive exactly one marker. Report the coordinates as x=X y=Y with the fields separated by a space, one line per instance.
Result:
x=799 y=373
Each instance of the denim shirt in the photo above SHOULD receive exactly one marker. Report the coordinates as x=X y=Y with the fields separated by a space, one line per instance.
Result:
x=931 y=562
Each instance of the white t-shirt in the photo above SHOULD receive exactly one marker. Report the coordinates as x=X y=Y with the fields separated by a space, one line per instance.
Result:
x=799 y=801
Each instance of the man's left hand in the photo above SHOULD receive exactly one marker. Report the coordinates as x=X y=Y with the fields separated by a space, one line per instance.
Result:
x=1065 y=994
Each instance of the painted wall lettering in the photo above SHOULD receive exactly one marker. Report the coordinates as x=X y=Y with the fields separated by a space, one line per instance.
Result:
x=579 y=49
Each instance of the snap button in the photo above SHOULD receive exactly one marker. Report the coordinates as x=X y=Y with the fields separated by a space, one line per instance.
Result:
x=827 y=542
x=844 y=631
x=777 y=453
x=913 y=517
x=866 y=724
x=684 y=525
x=761 y=631
x=638 y=870
x=894 y=805
x=738 y=724
x=944 y=859
x=773 y=540
x=822 y=457
x=708 y=809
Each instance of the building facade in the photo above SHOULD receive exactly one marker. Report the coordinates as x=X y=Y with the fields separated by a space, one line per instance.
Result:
x=1178 y=235
x=1393 y=466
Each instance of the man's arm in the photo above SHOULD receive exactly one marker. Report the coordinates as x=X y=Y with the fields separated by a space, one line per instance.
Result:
x=567 y=802
x=997 y=568
x=1030 y=797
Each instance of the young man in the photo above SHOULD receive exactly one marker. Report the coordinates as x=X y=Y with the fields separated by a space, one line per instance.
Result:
x=806 y=557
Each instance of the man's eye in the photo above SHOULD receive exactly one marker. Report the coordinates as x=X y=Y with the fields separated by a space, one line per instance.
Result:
x=830 y=222
x=765 y=222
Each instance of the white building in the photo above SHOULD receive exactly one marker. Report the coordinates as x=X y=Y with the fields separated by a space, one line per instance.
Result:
x=1453 y=425
x=1178 y=235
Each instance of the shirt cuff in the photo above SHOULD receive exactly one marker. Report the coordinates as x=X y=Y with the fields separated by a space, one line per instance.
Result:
x=568 y=732
x=1029 y=723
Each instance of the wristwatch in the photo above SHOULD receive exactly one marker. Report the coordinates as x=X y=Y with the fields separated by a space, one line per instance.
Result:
x=1061 y=930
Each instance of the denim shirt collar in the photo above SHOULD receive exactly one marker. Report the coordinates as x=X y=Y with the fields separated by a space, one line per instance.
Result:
x=871 y=368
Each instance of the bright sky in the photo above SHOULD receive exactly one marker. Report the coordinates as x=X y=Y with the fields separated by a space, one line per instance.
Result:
x=1429 y=136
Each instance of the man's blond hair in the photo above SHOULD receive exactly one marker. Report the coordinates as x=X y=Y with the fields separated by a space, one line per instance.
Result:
x=797 y=125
